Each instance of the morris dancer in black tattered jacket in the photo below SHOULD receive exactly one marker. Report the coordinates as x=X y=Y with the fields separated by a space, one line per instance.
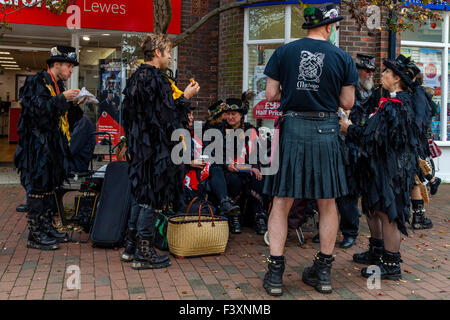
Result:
x=42 y=155
x=151 y=114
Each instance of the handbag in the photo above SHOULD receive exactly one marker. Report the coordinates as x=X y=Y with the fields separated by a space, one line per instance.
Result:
x=434 y=149
x=197 y=235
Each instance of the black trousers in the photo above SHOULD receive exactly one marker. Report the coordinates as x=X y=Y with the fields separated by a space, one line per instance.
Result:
x=348 y=209
x=242 y=183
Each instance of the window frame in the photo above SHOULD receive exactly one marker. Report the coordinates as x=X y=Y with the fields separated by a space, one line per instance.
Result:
x=445 y=46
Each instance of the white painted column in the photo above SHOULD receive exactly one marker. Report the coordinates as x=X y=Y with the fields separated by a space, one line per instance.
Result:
x=73 y=81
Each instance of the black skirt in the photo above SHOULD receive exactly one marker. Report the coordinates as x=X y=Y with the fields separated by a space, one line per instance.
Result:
x=311 y=160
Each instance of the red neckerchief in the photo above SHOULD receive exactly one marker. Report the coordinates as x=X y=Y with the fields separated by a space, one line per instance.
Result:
x=381 y=104
x=54 y=81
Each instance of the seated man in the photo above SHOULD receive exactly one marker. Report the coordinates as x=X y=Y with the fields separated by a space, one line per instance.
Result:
x=82 y=141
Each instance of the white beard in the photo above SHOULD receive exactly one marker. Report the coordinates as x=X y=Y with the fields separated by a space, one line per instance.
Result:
x=367 y=84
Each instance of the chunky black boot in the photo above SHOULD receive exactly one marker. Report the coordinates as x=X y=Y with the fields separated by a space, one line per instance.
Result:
x=319 y=275
x=146 y=256
x=37 y=237
x=376 y=248
x=50 y=230
x=234 y=224
x=228 y=208
x=22 y=208
x=260 y=223
x=273 y=279
x=130 y=246
x=389 y=265
x=434 y=186
x=420 y=221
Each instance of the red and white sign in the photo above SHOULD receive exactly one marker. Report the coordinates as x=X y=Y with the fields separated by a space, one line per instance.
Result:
x=107 y=124
x=122 y=15
x=266 y=110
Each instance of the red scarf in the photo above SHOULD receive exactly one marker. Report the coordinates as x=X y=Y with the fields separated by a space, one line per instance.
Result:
x=381 y=104
x=54 y=81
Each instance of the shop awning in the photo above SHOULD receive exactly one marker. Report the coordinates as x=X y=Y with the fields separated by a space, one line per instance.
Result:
x=124 y=15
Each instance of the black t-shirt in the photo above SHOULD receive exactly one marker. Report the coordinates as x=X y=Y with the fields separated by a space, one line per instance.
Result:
x=311 y=73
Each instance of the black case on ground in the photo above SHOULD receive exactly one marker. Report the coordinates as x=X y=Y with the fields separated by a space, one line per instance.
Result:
x=110 y=224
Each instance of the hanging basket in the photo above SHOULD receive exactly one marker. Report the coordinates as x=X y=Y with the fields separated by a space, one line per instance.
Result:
x=198 y=235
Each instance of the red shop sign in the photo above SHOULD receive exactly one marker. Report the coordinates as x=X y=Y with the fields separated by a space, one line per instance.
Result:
x=122 y=15
x=266 y=110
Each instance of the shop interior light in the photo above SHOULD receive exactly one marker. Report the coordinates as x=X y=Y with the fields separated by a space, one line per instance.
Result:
x=10 y=65
x=86 y=38
x=10 y=62
x=4 y=52
x=90 y=50
x=6 y=58
x=13 y=68
x=106 y=34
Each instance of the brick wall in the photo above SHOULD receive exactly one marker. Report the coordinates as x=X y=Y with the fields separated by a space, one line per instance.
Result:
x=376 y=44
x=198 y=55
x=231 y=41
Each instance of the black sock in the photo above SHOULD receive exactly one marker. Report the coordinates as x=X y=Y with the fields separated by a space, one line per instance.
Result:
x=417 y=204
x=326 y=256
x=276 y=258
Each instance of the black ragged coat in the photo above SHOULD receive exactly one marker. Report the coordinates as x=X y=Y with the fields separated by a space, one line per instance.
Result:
x=42 y=155
x=150 y=116
x=388 y=145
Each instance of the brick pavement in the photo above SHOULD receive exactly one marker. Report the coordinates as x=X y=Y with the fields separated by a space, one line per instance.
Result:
x=32 y=274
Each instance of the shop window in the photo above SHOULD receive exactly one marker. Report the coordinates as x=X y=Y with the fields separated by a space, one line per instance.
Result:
x=430 y=32
x=297 y=22
x=266 y=23
x=429 y=61
x=258 y=56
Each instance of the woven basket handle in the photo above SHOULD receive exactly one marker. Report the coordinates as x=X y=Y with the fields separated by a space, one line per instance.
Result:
x=199 y=213
x=212 y=215
x=190 y=205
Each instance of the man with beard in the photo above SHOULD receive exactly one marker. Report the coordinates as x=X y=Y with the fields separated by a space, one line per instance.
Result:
x=348 y=205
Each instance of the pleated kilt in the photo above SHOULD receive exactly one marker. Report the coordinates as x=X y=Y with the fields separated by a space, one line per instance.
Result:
x=311 y=159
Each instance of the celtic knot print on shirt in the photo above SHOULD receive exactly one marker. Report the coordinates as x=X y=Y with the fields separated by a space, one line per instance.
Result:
x=310 y=70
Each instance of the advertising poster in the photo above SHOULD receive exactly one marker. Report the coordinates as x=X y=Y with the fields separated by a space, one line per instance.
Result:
x=430 y=65
x=111 y=76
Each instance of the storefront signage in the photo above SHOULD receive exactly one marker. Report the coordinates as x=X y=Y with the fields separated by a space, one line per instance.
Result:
x=266 y=110
x=122 y=15
x=440 y=5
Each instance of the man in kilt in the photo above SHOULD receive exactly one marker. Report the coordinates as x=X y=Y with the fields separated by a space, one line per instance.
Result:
x=317 y=78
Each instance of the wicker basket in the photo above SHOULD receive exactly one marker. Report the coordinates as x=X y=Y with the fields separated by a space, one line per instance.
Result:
x=197 y=235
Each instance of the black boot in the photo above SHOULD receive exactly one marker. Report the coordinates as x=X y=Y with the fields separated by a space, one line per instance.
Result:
x=22 y=208
x=434 y=186
x=319 y=275
x=420 y=221
x=234 y=224
x=376 y=248
x=146 y=256
x=389 y=265
x=130 y=246
x=273 y=279
x=260 y=223
x=47 y=220
x=37 y=237
x=228 y=208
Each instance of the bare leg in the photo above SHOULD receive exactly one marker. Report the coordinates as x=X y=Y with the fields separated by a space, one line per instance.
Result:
x=328 y=224
x=375 y=227
x=278 y=224
x=415 y=193
x=391 y=233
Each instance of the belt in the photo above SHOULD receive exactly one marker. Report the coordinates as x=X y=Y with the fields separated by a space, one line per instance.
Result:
x=311 y=114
